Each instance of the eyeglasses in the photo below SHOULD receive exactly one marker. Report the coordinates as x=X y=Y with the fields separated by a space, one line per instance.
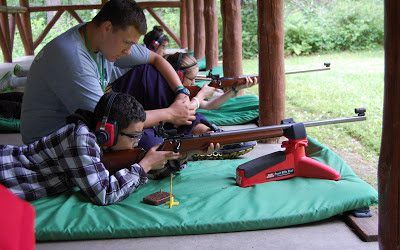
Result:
x=135 y=136
x=190 y=78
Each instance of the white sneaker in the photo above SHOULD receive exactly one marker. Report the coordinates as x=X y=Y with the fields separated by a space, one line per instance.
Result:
x=5 y=80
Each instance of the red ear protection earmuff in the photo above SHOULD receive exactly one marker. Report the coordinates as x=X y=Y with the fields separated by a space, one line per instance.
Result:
x=107 y=132
x=181 y=71
x=156 y=43
x=177 y=67
x=181 y=75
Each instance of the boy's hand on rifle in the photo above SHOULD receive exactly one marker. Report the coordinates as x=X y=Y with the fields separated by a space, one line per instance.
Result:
x=157 y=159
x=181 y=112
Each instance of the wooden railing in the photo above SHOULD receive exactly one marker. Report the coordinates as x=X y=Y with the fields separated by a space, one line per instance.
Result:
x=9 y=18
x=19 y=16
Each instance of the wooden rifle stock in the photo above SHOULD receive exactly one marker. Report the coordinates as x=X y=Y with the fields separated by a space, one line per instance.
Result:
x=117 y=160
x=221 y=83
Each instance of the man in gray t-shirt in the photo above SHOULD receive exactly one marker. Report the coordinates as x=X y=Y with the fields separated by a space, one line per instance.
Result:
x=73 y=70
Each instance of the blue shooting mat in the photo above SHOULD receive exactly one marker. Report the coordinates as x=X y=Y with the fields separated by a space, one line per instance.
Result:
x=210 y=202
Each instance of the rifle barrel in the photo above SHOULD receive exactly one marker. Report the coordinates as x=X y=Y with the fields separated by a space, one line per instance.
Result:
x=201 y=77
x=306 y=71
x=306 y=124
x=335 y=121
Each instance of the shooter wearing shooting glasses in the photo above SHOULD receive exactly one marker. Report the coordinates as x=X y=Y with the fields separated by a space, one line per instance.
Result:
x=71 y=156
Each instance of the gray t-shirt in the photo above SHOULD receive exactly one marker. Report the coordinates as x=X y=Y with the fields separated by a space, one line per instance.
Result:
x=64 y=77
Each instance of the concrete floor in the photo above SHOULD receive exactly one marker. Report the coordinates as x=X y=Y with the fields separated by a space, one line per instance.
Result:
x=329 y=234
x=326 y=235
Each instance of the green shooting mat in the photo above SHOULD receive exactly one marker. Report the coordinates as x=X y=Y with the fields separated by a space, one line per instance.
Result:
x=202 y=63
x=235 y=111
x=8 y=125
x=210 y=202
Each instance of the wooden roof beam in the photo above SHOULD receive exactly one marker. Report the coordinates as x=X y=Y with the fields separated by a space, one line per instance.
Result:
x=12 y=9
x=143 y=5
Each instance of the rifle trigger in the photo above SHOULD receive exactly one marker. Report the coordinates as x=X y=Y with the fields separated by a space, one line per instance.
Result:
x=219 y=83
x=178 y=147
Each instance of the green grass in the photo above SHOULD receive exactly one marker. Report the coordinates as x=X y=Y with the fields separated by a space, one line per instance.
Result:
x=355 y=80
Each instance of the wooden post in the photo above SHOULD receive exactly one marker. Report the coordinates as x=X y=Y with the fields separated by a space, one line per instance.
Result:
x=27 y=29
x=11 y=29
x=190 y=24
x=183 y=26
x=200 y=39
x=271 y=62
x=22 y=34
x=232 y=38
x=210 y=16
x=5 y=37
x=389 y=160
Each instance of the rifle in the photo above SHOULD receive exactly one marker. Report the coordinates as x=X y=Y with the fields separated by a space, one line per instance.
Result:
x=219 y=82
x=117 y=160
x=228 y=82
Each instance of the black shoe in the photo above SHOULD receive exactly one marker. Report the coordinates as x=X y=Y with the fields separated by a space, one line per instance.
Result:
x=172 y=167
x=231 y=151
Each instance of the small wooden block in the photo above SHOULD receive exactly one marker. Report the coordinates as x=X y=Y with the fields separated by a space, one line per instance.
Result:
x=365 y=228
x=156 y=198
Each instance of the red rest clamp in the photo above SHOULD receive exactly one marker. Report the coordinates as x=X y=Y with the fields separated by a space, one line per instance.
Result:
x=286 y=164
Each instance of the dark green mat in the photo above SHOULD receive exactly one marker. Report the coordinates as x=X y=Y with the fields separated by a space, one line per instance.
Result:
x=201 y=63
x=9 y=125
x=238 y=110
x=203 y=66
x=211 y=202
